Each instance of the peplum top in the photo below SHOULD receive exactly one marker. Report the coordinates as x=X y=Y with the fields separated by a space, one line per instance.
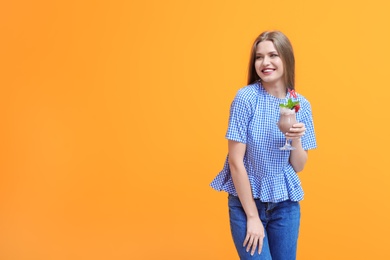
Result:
x=253 y=121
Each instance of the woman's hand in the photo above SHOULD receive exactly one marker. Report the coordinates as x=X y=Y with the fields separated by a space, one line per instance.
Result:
x=296 y=131
x=254 y=235
x=298 y=157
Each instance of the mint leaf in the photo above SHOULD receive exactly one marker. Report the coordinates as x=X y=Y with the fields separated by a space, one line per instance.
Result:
x=290 y=104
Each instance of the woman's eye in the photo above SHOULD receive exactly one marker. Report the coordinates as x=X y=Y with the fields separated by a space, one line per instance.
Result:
x=258 y=57
x=274 y=55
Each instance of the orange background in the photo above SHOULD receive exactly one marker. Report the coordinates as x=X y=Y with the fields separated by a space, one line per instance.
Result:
x=113 y=116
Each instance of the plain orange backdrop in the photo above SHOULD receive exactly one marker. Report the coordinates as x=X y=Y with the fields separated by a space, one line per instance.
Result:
x=113 y=116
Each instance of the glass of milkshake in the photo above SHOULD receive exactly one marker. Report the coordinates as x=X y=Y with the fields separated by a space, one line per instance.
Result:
x=286 y=120
x=287 y=116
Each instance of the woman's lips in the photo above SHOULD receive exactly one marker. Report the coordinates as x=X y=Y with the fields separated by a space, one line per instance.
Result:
x=267 y=71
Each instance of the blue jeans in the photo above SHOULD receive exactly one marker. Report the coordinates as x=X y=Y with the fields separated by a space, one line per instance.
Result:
x=281 y=225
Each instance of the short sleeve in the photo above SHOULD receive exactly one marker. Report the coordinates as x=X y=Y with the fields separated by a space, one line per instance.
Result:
x=309 y=138
x=240 y=115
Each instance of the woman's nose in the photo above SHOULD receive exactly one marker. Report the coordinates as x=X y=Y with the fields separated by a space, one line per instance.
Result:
x=265 y=61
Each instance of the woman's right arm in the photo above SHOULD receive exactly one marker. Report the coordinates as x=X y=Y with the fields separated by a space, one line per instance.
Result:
x=255 y=230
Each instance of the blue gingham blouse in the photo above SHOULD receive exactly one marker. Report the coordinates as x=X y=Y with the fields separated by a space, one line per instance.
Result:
x=253 y=121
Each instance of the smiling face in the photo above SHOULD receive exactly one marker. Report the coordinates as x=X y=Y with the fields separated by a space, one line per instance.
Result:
x=269 y=65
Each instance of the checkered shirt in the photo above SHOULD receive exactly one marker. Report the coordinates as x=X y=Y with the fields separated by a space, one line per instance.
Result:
x=253 y=121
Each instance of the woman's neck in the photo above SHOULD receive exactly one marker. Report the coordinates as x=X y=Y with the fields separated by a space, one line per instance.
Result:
x=276 y=90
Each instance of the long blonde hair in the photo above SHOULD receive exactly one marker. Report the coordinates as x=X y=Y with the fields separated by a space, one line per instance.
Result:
x=284 y=48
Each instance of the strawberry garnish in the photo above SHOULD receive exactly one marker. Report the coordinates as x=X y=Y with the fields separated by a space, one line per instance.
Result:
x=291 y=104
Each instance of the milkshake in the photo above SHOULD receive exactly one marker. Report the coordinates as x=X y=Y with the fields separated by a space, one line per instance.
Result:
x=287 y=117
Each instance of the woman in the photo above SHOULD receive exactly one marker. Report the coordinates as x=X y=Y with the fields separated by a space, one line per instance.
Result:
x=262 y=182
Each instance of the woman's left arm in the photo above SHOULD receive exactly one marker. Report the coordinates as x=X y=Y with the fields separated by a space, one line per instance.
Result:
x=298 y=157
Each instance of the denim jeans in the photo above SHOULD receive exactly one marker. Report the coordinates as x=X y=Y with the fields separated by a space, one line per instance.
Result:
x=281 y=225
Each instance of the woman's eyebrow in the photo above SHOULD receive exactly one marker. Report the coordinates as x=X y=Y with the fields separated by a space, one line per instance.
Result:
x=271 y=52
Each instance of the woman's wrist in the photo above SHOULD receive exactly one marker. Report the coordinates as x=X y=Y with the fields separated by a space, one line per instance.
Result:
x=297 y=143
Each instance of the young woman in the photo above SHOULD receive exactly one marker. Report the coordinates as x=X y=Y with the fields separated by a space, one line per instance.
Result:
x=262 y=182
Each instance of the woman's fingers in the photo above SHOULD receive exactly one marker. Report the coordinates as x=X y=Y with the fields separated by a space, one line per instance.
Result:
x=253 y=242
x=260 y=244
x=298 y=130
x=254 y=245
x=246 y=240
x=250 y=243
